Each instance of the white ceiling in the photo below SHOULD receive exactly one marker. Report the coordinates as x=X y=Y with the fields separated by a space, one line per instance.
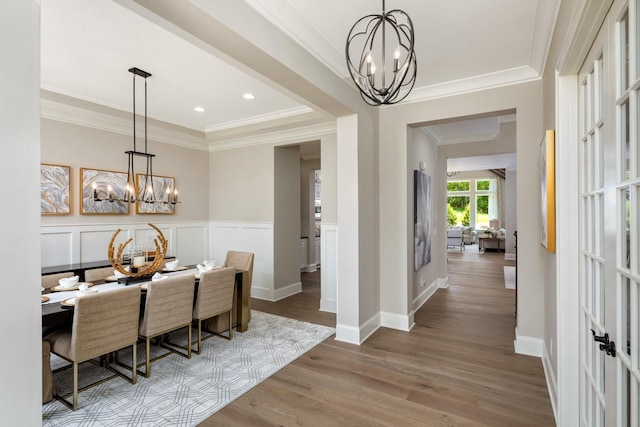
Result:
x=461 y=45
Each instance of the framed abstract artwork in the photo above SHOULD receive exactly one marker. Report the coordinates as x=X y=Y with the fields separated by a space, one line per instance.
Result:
x=55 y=189
x=548 y=192
x=102 y=192
x=164 y=192
x=421 y=219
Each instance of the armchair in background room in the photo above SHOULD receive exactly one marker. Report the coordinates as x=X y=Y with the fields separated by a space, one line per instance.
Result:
x=454 y=238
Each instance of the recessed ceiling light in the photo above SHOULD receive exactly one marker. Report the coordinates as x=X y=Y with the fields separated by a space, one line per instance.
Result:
x=199 y=109
x=248 y=96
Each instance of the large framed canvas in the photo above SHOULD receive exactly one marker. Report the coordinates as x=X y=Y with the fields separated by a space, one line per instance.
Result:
x=421 y=219
x=163 y=190
x=548 y=191
x=55 y=189
x=106 y=186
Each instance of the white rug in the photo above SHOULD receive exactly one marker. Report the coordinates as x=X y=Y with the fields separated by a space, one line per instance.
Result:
x=185 y=391
x=509 y=277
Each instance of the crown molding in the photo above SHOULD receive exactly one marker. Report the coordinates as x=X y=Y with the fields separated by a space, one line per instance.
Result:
x=276 y=115
x=502 y=78
x=546 y=17
x=288 y=136
x=83 y=117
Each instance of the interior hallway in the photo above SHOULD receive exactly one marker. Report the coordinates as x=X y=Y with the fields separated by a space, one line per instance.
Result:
x=456 y=367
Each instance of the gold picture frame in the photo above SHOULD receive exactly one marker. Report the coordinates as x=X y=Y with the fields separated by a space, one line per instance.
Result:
x=55 y=189
x=548 y=191
x=163 y=186
x=109 y=189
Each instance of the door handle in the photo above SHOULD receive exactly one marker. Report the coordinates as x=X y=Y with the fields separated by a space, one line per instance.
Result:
x=607 y=346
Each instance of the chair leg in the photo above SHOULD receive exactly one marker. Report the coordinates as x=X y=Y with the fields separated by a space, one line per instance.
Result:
x=134 y=362
x=189 y=334
x=148 y=361
x=199 y=337
x=75 y=386
x=230 y=324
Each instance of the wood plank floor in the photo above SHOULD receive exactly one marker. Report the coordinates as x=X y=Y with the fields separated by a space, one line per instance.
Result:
x=455 y=368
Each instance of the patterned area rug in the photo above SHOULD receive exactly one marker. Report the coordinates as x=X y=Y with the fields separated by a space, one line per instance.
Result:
x=185 y=391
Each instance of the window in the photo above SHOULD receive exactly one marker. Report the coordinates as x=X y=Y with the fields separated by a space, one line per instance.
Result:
x=472 y=202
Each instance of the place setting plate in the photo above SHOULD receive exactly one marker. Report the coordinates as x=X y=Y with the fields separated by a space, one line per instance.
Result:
x=169 y=270
x=111 y=279
x=69 y=302
x=71 y=288
x=44 y=299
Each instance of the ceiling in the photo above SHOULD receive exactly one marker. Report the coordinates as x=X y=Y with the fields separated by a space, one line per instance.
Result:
x=461 y=45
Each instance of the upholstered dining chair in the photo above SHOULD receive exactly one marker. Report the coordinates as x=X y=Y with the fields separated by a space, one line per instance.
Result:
x=51 y=280
x=103 y=322
x=97 y=274
x=168 y=307
x=214 y=297
x=242 y=261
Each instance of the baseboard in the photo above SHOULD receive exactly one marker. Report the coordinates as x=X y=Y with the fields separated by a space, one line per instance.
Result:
x=310 y=268
x=443 y=283
x=552 y=384
x=425 y=295
x=396 y=321
x=277 y=294
x=510 y=256
x=357 y=335
x=528 y=346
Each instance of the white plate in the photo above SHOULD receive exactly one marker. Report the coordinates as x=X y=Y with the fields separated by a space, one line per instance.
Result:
x=71 y=288
x=68 y=302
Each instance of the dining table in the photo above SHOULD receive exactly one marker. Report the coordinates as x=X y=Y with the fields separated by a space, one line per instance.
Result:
x=56 y=312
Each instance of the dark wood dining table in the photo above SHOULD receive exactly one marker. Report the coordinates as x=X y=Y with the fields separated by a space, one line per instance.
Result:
x=55 y=315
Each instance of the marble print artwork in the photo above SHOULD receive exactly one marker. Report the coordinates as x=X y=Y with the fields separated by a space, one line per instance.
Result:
x=54 y=189
x=160 y=186
x=103 y=179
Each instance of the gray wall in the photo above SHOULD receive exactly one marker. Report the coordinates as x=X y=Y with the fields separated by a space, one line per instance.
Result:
x=286 y=227
x=84 y=147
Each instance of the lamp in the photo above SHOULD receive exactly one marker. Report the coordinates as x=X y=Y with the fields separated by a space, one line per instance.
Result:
x=131 y=193
x=370 y=51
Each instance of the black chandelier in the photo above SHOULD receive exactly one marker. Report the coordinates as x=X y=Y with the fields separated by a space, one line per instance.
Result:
x=370 y=50
x=146 y=193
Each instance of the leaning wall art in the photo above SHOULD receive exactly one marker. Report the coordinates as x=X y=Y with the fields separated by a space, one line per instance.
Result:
x=421 y=219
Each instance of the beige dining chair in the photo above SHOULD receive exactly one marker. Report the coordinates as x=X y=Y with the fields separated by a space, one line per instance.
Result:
x=242 y=261
x=47 y=375
x=168 y=307
x=51 y=280
x=103 y=322
x=97 y=274
x=214 y=297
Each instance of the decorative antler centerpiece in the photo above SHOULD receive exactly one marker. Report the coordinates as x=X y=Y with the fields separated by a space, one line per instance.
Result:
x=148 y=269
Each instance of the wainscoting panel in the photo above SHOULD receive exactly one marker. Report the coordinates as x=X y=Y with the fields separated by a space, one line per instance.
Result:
x=248 y=237
x=72 y=244
x=329 y=270
x=57 y=248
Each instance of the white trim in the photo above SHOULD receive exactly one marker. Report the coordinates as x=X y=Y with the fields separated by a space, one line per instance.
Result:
x=275 y=115
x=502 y=78
x=288 y=136
x=567 y=289
x=287 y=291
x=552 y=384
x=83 y=117
x=355 y=335
x=396 y=321
x=528 y=346
x=310 y=268
x=443 y=283
x=510 y=256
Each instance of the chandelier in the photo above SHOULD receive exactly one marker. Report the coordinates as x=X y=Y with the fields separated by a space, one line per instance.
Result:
x=132 y=192
x=368 y=44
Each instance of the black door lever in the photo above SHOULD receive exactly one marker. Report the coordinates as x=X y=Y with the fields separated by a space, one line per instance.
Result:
x=607 y=346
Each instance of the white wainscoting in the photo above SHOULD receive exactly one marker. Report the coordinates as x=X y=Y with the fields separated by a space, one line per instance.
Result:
x=329 y=270
x=72 y=244
x=248 y=237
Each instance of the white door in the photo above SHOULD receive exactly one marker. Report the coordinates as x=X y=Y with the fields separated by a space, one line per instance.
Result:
x=609 y=222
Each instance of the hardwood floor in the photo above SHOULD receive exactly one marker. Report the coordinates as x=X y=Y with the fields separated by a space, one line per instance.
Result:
x=455 y=368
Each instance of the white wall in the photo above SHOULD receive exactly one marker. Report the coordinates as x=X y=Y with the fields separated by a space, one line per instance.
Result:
x=20 y=322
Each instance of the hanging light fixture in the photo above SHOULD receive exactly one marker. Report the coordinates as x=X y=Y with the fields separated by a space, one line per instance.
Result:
x=368 y=44
x=147 y=193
